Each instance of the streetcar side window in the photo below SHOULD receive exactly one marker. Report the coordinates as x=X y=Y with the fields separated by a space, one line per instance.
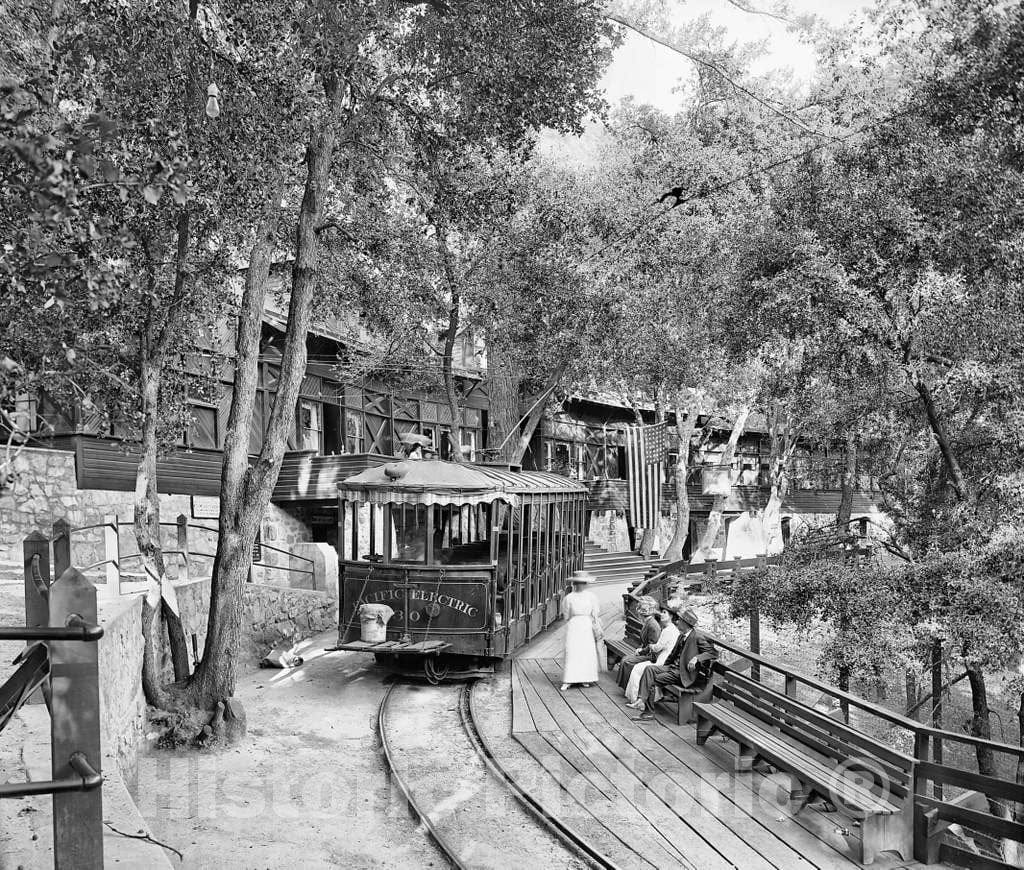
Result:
x=409 y=533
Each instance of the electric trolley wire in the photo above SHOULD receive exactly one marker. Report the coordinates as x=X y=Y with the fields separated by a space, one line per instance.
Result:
x=704 y=192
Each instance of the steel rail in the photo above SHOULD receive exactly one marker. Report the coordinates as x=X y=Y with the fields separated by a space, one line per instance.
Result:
x=467 y=713
x=442 y=842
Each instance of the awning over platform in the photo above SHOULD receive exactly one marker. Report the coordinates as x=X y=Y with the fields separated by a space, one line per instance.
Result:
x=433 y=481
x=426 y=482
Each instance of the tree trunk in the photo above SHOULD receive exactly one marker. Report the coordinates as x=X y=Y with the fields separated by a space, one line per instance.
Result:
x=783 y=445
x=715 y=516
x=156 y=612
x=451 y=333
x=245 y=493
x=503 y=400
x=938 y=428
x=981 y=726
x=686 y=422
x=847 y=483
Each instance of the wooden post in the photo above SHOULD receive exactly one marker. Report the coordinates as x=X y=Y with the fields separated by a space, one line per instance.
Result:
x=710 y=567
x=792 y=685
x=37 y=606
x=112 y=555
x=760 y=563
x=755 y=639
x=919 y=785
x=936 y=669
x=61 y=541
x=75 y=726
x=37 y=611
x=183 y=548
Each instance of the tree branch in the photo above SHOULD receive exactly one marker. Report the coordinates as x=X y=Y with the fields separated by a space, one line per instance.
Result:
x=707 y=64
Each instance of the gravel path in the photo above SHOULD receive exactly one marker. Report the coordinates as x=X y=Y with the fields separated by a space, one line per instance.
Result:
x=307 y=789
x=476 y=813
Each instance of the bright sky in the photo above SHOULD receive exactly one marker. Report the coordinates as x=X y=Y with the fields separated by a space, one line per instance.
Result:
x=649 y=72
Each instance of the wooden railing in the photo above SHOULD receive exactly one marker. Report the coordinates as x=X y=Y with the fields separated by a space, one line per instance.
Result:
x=61 y=662
x=990 y=807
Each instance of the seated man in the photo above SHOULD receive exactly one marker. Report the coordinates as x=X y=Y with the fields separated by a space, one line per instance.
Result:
x=647 y=610
x=682 y=665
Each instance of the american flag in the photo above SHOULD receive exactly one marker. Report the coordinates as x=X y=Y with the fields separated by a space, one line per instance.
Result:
x=645 y=452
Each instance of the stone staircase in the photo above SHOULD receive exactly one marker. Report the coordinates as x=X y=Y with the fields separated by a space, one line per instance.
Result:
x=625 y=568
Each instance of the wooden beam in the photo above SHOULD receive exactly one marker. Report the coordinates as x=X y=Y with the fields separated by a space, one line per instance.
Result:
x=75 y=726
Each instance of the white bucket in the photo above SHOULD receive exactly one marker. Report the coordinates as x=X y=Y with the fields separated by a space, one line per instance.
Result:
x=373 y=619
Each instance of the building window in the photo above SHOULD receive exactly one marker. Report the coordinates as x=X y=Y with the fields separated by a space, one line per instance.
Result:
x=353 y=431
x=202 y=432
x=25 y=418
x=334 y=437
x=310 y=425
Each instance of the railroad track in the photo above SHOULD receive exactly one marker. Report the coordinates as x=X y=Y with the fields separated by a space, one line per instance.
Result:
x=474 y=809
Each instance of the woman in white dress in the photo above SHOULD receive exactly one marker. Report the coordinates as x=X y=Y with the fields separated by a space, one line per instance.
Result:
x=582 y=634
x=660 y=650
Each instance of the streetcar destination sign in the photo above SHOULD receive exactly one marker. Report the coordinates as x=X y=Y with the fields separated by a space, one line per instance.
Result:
x=427 y=596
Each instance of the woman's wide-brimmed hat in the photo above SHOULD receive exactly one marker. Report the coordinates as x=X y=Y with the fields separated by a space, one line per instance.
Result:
x=582 y=577
x=682 y=612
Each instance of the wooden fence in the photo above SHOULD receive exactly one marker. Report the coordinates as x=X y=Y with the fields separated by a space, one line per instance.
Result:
x=61 y=662
x=985 y=813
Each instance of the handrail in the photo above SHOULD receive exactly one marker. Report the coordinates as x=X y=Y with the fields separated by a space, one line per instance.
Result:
x=815 y=683
x=37 y=578
x=896 y=719
x=76 y=629
x=108 y=525
x=286 y=553
x=88 y=779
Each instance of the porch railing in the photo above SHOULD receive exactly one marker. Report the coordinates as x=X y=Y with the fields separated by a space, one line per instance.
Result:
x=983 y=811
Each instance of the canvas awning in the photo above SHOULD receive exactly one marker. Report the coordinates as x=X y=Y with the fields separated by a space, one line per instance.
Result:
x=426 y=482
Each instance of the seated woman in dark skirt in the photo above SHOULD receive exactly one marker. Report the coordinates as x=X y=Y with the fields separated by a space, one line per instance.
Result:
x=647 y=609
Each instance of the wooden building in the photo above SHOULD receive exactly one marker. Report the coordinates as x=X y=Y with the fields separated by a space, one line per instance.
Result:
x=342 y=428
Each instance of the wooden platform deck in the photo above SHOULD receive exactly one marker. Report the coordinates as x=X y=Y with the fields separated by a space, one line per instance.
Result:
x=657 y=799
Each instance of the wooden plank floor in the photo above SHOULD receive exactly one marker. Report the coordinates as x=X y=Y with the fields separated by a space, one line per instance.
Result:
x=657 y=794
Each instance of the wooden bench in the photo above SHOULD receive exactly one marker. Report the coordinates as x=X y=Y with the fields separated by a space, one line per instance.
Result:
x=685 y=699
x=862 y=778
x=618 y=650
x=682 y=698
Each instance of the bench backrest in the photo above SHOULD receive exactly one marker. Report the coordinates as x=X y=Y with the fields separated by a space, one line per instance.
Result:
x=817 y=731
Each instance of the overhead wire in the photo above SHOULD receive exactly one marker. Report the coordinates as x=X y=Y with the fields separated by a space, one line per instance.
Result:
x=631 y=233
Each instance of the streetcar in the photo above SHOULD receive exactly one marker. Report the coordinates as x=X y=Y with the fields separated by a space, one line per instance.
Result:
x=446 y=568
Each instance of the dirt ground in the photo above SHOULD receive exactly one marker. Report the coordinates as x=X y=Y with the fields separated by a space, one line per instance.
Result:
x=306 y=789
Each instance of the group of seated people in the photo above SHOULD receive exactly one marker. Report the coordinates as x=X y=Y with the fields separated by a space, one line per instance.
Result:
x=672 y=651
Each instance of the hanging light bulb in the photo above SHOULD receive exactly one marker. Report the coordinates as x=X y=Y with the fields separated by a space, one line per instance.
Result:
x=212 y=102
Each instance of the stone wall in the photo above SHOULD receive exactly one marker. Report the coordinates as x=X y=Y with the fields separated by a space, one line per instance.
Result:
x=46 y=490
x=270 y=615
x=122 y=705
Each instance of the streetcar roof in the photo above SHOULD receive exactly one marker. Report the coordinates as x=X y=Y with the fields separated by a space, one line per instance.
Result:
x=433 y=481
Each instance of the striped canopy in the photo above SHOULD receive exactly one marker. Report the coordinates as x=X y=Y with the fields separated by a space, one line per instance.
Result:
x=424 y=481
x=433 y=481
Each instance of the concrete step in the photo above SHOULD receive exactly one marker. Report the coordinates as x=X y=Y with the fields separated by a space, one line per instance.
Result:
x=612 y=557
x=640 y=564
